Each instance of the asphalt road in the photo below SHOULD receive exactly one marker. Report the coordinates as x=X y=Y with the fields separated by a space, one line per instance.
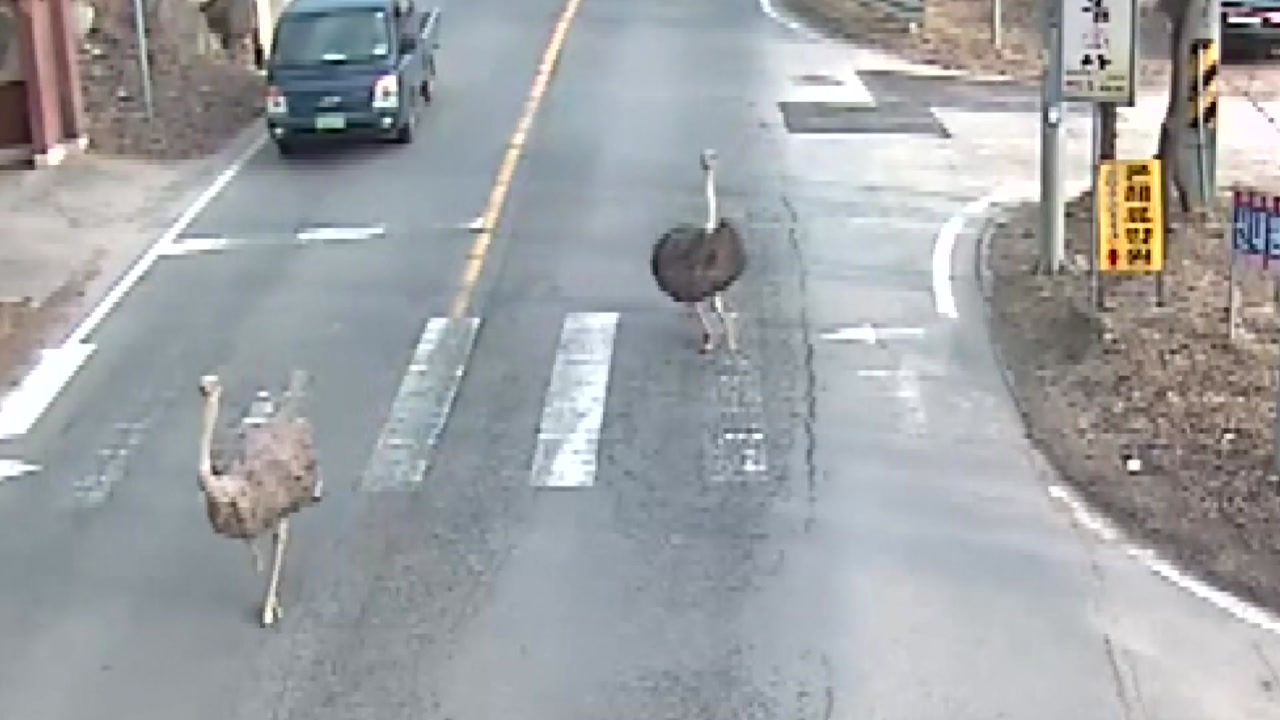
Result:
x=815 y=529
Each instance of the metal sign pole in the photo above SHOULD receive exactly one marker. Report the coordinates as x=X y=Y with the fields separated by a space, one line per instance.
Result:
x=997 y=23
x=1052 y=206
x=144 y=55
x=1095 y=242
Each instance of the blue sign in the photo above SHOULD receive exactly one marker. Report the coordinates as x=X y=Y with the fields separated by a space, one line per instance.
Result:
x=1241 y=221
x=1273 y=232
x=1259 y=226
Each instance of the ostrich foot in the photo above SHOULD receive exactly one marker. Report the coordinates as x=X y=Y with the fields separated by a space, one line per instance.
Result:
x=708 y=343
x=271 y=612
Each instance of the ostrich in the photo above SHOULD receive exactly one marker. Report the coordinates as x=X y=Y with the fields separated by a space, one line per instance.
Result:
x=695 y=264
x=272 y=476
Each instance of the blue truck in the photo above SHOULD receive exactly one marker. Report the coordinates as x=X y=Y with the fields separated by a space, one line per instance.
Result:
x=350 y=68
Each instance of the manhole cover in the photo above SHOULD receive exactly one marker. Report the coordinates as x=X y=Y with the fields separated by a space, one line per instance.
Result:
x=853 y=118
x=817 y=80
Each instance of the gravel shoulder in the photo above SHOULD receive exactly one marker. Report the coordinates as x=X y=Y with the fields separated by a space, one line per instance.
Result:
x=1163 y=384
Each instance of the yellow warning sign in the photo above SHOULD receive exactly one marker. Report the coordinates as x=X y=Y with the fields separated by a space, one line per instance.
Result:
x=1130 y=216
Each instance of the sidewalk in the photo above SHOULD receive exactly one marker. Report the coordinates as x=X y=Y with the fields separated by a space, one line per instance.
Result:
x=1248 y=139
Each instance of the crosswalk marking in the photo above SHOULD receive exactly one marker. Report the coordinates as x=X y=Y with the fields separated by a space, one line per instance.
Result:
x=569 y=433
x=739 y=448
x=422 y=404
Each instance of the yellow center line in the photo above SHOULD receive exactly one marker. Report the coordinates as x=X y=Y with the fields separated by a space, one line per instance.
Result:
x=510 y=159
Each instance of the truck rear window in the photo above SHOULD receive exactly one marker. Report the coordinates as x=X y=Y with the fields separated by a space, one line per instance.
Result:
x=341 y=36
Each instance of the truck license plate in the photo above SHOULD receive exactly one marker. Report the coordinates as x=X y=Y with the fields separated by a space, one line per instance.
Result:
x=330 y=122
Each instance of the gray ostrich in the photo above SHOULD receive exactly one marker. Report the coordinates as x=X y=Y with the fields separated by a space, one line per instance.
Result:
x=272 y=475
x=695 y=264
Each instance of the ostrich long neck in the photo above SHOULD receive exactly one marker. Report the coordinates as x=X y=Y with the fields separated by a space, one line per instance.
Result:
x=206 y=438
x=711 y=199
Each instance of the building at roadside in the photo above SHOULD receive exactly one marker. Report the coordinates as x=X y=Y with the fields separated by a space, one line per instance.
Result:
x=41 y=107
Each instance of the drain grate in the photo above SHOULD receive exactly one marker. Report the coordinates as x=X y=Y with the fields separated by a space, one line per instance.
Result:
x=859 y=119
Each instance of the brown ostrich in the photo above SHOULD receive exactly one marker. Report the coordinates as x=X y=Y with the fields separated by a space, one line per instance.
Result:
x=695 y=264
x=271 y=475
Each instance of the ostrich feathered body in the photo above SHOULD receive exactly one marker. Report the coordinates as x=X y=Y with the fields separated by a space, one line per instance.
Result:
x=691 y=264
x=269 y=476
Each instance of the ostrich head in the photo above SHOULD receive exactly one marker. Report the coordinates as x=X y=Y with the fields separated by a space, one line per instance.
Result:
x=708 y=158
x=210 y=386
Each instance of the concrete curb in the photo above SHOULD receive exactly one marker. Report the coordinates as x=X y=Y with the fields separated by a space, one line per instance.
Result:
x=1083 y=513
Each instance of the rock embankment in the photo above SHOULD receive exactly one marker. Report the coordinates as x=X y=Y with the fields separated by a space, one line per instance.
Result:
x=200 y=96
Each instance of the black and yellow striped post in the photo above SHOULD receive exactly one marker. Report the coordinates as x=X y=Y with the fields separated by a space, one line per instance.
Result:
x=1203 y=77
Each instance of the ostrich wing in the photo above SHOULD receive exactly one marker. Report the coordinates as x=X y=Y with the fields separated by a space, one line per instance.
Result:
x=676 y=264
x=280 y=460
x=726 y=258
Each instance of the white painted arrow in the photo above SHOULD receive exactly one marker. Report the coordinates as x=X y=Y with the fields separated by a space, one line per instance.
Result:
x=10 y=468
x=869 y=333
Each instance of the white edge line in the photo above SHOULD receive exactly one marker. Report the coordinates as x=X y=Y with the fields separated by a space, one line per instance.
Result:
x=1238 y=608
x=944 y=243
x=1083 y=515
x=768 y=8
x=11 y=469
x=161 y=245
x=23 y=406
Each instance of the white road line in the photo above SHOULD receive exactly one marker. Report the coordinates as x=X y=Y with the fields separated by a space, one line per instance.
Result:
x=1240 y=609
x=196 y=246
x=944 y=245
x=908 y=390
x=740 y=449
x=10 y=468
x=24 y=405
x=767 y=7
x=144 y=263
x=422 y=405
x=568 y=445
x=340 y=234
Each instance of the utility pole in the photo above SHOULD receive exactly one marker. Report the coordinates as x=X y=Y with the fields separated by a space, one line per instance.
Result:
x=997 y=23
x=1052 y=204
x=1199 y=51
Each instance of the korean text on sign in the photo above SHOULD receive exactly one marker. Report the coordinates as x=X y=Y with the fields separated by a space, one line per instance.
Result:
x=1256 y=228
x=1130 y=219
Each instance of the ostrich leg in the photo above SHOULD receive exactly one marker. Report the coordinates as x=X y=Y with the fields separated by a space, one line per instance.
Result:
x=722 y=311
x=708 y=341
x=271 y=606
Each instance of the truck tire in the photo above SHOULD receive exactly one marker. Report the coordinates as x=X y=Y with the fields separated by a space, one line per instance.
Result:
x=404 y=134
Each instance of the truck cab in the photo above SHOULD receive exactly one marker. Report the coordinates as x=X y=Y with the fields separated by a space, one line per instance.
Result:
x=343 y=68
